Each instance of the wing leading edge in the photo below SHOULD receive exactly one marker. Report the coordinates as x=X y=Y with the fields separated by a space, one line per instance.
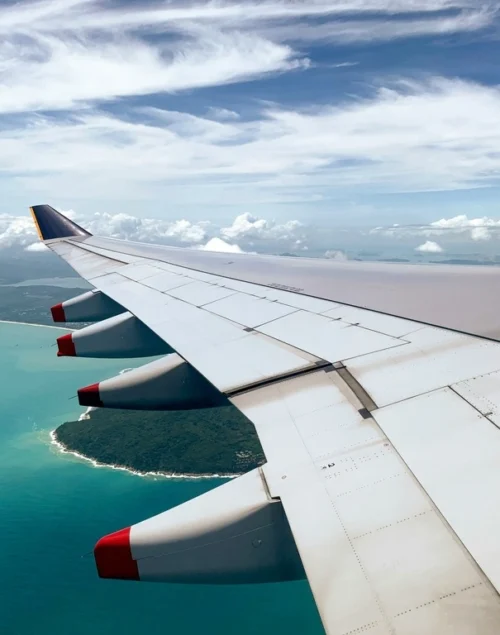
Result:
x=347 y=493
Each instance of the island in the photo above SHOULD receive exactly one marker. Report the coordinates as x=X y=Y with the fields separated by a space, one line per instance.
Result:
x=213 y=441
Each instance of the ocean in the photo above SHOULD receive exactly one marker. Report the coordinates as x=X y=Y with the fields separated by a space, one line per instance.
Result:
x=55 y=506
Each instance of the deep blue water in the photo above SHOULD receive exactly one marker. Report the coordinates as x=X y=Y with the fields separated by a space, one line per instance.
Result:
x=54 y=507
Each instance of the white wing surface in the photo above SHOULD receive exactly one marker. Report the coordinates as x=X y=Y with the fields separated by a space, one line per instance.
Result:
x=380 y=431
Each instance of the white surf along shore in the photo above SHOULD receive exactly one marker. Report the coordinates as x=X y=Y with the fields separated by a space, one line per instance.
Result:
x=45 y=326
x=86 y=415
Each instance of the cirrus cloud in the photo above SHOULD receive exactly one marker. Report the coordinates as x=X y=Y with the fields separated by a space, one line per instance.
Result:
x=435 y=135
x=71 y=71
x=93 y=105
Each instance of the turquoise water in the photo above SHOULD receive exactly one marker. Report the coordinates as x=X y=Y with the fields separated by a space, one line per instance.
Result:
x=54 y=507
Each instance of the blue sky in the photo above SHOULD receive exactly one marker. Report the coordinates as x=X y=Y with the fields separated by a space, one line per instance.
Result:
x=328 y=112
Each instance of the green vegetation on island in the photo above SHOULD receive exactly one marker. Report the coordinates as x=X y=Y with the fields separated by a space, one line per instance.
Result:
x=32 y=304
x=209 y=441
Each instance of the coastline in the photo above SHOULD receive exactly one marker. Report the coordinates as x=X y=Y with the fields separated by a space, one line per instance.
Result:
x=46 y=326
x=65 y=450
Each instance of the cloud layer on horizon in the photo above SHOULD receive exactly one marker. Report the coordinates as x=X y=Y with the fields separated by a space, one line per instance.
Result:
x=247 y=232
x=476 y=229
x=252 y=234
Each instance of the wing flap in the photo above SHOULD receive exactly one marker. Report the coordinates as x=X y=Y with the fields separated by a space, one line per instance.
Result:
x=374 y=546
x=454 y=452
x=483 y=393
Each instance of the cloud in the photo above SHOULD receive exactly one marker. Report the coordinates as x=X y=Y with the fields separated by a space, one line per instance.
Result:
x=19 y=231
x=91 y=15
x=36 y=247
x=16 y=231
x=408 y=136
x=480 y=228
x=429 y=247
x=222 y=114
x=246 y=233
x=254 y=233
x=480 y=233
x=246 y=230
x=129 y=227
x=217 y=244
x=249 y=226
x=50 y=72
x=65 y=55
x=344 y=32
x=336 y=254
x=74 y=76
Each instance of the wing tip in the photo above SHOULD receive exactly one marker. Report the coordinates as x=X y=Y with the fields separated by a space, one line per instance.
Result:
x=50 y=224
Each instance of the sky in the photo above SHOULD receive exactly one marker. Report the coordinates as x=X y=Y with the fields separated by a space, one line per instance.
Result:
x=269 y=122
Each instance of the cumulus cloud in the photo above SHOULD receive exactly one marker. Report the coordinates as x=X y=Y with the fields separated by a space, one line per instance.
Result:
x=19 y=231
x=429 y=247
x=336 y=254
x=250 y=228
x=480 y=233
x=480 y=228
x=35 y=247
x=16 y=231
x=217 y=244
x=477 y=229
x=146 y=229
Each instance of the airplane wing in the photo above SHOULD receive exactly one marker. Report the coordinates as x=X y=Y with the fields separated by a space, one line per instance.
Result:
x=375 y=393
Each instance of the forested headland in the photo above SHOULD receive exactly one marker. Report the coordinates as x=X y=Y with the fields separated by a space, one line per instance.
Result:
x=196 y=442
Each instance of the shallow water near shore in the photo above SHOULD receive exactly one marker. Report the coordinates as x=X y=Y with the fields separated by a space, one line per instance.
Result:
x=55 y=506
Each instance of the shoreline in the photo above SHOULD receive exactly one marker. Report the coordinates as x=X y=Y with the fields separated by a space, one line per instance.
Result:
x=63 y=449
x=46 y=326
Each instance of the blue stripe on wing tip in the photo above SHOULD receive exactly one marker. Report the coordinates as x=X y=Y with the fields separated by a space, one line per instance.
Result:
x=52 y=224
